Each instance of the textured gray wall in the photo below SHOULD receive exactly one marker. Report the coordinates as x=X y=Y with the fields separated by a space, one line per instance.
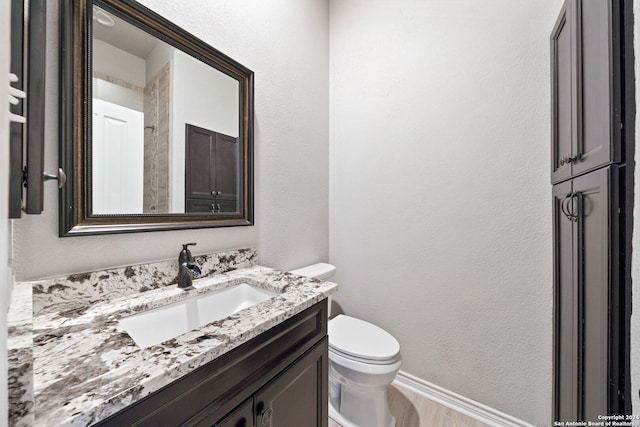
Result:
x=439 y=189
x=286 y=45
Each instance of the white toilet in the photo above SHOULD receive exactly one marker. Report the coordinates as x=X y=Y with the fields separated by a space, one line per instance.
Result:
x=363 y=360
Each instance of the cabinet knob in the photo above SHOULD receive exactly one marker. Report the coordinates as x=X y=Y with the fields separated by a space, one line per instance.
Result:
x=61 y=177
x=266 y=416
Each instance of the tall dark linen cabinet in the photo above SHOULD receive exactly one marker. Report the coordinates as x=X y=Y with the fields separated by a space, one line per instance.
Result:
x=211 y=171
x=592 y=139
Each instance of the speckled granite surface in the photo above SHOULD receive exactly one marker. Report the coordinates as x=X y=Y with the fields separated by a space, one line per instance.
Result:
x=20 y=355
x=71 y=363
x=78 y=291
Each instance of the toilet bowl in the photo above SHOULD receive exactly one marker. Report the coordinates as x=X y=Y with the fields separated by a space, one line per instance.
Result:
x=363 y=360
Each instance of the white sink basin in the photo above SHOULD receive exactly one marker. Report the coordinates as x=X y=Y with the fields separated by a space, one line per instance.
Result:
x=155 y=326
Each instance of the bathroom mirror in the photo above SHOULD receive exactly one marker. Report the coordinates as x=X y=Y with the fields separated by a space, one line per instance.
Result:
x=156 y=125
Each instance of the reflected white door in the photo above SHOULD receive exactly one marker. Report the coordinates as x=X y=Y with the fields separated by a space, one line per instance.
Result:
x=118 y=159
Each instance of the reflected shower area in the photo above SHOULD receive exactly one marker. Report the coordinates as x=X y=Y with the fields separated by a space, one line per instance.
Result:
x=147 y=95
x=156 y=142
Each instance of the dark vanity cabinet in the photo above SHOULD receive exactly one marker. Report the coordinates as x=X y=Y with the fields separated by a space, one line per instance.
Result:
x=589 y=173
x=277 y=379
x=212 y=167
x=294 y=398
x=586 y=87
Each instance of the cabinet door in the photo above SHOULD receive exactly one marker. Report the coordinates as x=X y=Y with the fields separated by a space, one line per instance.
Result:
x=200 y=180
x=299 y=395
x=565 y=303
x=587 y=318
x=227 y=206
x=242 y=416
x=211 y=171
x=595 y=282
x=562 y=72
x=201 y=206
x=598 y=124
x=585 y=88
x=227 y=166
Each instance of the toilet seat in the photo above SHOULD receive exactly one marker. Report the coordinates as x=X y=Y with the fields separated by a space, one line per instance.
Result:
x=361 y=341
x=340 y=360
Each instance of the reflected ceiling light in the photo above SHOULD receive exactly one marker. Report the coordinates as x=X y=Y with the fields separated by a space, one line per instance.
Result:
x=103 y=17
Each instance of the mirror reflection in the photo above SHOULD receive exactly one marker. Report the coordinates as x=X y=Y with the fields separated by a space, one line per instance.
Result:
x=165 y=127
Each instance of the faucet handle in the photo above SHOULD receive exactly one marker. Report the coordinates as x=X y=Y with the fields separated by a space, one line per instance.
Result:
x=185 y=253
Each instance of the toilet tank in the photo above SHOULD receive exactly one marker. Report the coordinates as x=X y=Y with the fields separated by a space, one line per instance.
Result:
x=320 y=271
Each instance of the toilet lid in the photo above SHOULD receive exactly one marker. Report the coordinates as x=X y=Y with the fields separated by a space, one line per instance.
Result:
x=361 y=339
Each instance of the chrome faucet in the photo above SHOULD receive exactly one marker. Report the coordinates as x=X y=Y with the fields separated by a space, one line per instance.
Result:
x=186 y=270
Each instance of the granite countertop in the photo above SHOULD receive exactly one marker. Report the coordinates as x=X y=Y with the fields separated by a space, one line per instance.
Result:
x=71 y=362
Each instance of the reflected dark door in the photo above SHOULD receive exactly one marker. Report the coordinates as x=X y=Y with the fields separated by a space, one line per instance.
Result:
x=211 y=171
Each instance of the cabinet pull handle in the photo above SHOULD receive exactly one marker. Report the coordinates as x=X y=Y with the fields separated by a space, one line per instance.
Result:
x=266 y=416
x=574 y=215
x=567 y=209
x=565 y=160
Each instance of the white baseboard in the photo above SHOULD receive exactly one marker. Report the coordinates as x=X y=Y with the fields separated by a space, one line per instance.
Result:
x=459 y=403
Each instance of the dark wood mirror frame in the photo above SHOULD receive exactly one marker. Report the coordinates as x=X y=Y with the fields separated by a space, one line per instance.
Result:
x=75 y=121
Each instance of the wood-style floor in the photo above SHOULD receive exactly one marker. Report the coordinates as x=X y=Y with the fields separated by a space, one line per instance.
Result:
x=412 y=410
